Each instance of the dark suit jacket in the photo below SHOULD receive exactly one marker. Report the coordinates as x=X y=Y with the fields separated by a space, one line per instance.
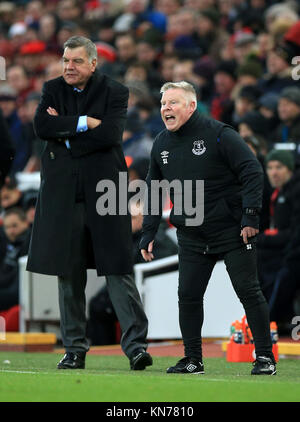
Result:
x=100 y=156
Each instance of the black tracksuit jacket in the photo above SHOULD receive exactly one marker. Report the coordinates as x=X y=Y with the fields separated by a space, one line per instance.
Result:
x=208 y=150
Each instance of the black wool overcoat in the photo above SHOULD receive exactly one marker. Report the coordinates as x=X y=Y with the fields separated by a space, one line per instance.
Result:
x=99 y=155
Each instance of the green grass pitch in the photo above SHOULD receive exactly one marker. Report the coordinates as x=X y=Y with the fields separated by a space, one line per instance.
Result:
x=33 y=377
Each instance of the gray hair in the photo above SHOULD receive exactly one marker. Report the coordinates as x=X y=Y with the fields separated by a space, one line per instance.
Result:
x=185 y=86
x=79 y=41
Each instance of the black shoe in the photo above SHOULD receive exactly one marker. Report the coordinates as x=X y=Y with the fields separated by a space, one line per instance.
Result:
x=187 y=366
x=140 y=360
x=264 y=366
x=72 y=361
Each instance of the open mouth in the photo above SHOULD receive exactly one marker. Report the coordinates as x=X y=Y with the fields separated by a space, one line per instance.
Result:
x=169 y=118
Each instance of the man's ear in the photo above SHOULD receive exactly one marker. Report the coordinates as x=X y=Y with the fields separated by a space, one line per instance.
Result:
x=94 y=63
x=193 y=106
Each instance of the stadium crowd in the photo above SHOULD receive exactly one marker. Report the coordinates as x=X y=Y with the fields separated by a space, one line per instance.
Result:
x=242 y=57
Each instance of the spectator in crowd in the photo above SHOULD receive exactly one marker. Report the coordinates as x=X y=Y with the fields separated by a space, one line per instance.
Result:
x=69 y=10
x=31 y=57
x=53 y=70
x=284 y=300
x=48 y=27
x=136 y=143
x=149 y=116
x=8 y=98
x=244 y=43
x=254 y=123
x=10 y=195
x=17 y=231
x=259 y=151
x=138 y=16
x=225 y=79
x=267 y=106
x=272 y=241
x=126 y=54
x=279 y=70
x=36 y=144
x=203 y=77
x=7 y=150
x=211 y=36
x=167 y=63
x=29 y=205
x=18 y=79
x=167 y=7
x=249 y=72
x=289 y=115
x=185 y=43
x=246 y=101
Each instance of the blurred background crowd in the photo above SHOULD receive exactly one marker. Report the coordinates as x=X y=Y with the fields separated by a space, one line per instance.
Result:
x=242 y=57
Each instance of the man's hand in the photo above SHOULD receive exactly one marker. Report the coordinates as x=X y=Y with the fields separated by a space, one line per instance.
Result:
x=52 y=111
x=148 y=255
x=247 y=232
x=92 y=122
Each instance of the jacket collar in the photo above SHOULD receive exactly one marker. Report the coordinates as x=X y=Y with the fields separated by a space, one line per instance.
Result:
x=188 y=128
x=91 y=90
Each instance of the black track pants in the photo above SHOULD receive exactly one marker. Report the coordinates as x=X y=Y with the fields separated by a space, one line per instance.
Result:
x=195 y=269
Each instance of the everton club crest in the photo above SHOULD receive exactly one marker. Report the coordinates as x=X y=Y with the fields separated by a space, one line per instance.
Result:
x=199 y=147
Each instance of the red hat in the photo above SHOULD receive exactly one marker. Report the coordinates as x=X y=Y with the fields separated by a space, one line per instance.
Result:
x=107 y=51
x=92 y=4
x=293 y=34
x=32 y=47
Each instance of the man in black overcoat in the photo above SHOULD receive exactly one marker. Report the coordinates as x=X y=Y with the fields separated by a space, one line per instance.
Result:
x=82 y=117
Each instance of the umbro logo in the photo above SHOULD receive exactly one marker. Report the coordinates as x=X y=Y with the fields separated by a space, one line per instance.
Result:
x=191 y=367
x=165 y=156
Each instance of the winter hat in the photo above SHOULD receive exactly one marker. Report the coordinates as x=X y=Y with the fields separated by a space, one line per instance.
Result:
x=269 y=101
x=250 y=92
x=292 y=36
x=250 y=67
x=106 y=51
x=284 y=157
x=285 y=50
x=32 y=47
x=291 y=94
x=243 y=38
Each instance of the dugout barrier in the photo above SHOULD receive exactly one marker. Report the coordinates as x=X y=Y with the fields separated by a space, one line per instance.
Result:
x=38 y=296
